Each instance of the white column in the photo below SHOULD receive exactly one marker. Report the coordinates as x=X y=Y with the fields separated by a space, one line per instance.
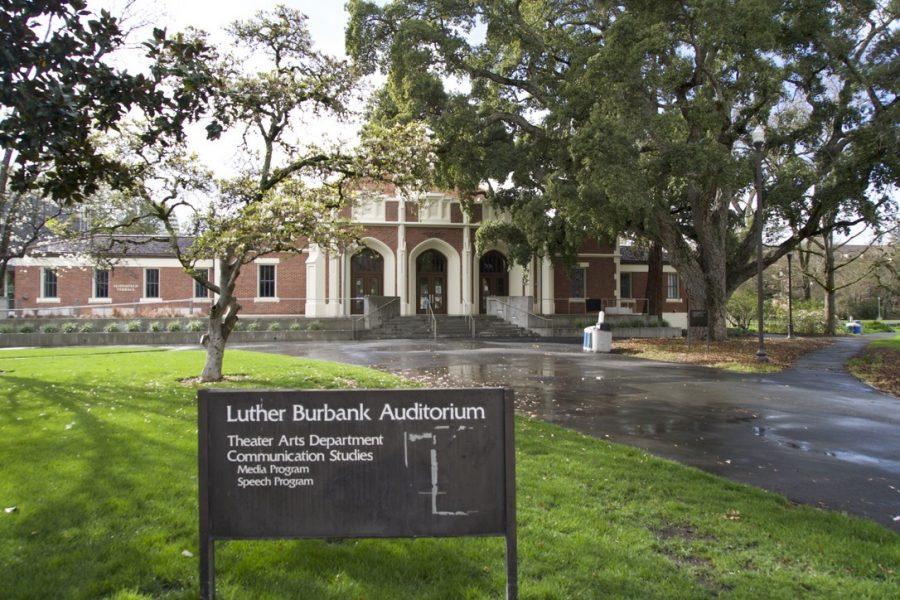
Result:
x=547 y=289
x=402 y=269
x=334 y=285
x=467 y=267
x=315 y=283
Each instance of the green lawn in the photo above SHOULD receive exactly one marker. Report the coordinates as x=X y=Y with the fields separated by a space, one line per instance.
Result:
x=98 y=457
x=878 y=364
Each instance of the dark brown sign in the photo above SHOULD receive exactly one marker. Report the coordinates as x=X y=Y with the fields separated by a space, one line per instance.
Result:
x=699 y=318
x=358 y=463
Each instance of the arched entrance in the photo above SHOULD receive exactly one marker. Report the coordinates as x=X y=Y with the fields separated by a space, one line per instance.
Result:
x=366 y=276
x=493 y=271
x=431 y=282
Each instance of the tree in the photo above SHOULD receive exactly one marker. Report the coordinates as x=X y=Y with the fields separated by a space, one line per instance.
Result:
x=843 y=265
x=290 y=191
x=634 y=116
x=59 y=92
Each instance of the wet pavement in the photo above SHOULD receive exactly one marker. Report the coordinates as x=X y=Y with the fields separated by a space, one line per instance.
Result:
x=813 y=434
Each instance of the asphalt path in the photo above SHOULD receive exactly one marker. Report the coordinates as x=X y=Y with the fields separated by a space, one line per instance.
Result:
x=813 y=433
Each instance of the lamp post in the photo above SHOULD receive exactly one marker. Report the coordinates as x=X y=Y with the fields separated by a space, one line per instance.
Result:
x=759 y=139
x=790 y=334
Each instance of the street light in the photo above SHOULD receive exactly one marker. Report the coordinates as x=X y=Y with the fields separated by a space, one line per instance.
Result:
x=790 y=334
x=759 y=139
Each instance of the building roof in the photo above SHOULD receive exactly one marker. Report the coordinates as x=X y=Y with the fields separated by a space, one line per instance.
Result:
x=149 y=246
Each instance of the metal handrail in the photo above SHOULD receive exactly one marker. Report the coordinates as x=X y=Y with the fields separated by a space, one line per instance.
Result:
x=356 y=319
x=433 y=320
x=525 y=312
x=470 y=318
x=605 y=303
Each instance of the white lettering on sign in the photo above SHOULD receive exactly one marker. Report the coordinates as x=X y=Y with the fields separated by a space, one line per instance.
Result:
x=328 y=414
x=254 y=414
x=423 y=412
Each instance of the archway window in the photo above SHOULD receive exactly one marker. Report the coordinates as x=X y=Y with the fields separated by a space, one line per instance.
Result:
x=431 y=282
x=494 y=275
x=431 y=262
x=367 y=276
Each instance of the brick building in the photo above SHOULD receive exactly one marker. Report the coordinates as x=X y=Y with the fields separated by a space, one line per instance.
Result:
x=420 y=253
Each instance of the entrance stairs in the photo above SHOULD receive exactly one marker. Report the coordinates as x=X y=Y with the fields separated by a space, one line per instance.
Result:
x=418 y=327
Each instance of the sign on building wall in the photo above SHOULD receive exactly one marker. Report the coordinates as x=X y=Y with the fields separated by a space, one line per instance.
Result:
x=355 y=463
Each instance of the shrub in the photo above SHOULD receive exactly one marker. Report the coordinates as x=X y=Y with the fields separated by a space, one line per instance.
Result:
x=173 y=326
x=49 y=329
x=314 y=326
x=295 y=326
x=69 y=327
x=133 y=326
x=155 y=326
x=195 y=326
x=7 y=329
x=26 y=329
x=876 y=327
x=86 y=328
x=274 y=326
x=112 y=328
x=809 y=321
x=254 y=326
x=741 y=307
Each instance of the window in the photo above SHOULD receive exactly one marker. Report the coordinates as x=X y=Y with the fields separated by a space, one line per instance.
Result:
x=50 y=288
x=101 y=283
x=151 y=283
x=672 y=292
x=578 y=282
x=200 y=290
x=266 y=281
x=625 y=285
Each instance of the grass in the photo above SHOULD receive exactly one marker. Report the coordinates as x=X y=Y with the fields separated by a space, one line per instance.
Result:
x=879 y=365
x=98 y=457
x=734 y=354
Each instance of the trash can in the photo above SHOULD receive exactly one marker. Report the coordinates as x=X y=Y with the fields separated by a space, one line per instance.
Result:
x=597 y=339
x=856 y=327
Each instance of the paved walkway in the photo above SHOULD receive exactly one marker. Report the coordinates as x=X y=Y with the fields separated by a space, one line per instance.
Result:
x=813 y=433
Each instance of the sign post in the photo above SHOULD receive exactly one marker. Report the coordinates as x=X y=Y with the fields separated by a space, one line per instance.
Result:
x=355 y=463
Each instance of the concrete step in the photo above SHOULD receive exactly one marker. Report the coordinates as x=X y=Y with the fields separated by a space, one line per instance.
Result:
x=448 y=326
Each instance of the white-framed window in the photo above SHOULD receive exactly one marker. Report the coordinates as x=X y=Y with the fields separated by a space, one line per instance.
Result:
x=266 y=274
x=579 y=282
x=625 y=290
x=672 y=291
x=151 y=283
x=200 y=290
x=49 y=283
x=101 y=283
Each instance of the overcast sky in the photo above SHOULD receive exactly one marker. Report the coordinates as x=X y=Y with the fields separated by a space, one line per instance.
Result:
x=327 y=20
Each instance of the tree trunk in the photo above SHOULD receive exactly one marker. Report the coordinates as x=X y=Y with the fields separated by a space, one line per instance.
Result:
x=805 y=257
x=223 y=317
x=830 y=316
x=654 y=290
x=215 y=352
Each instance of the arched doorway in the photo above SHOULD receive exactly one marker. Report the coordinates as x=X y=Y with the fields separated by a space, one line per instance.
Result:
x=493 y=270
x=431 y=280
x=367 y=277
